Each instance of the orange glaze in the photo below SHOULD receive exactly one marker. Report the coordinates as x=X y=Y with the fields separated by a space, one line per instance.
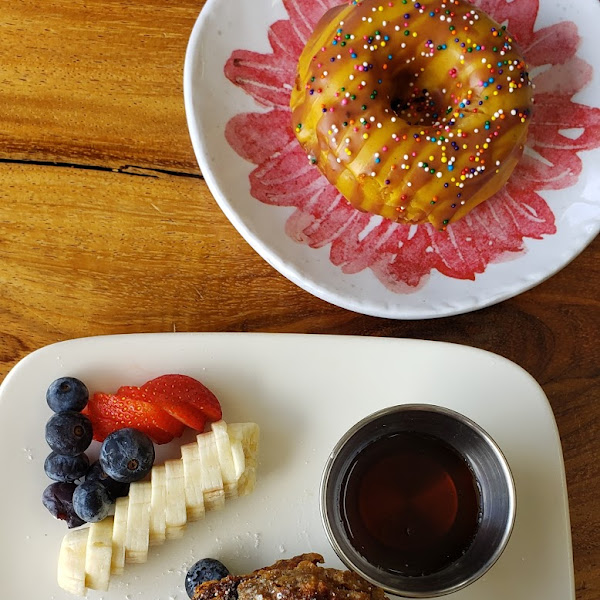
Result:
x=415 y=111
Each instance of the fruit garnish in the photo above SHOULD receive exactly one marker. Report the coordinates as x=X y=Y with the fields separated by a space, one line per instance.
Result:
x=69 y=433
x=91 y=501
x=71 y=562
x=115 y=489
x=102 y=427
x=66 y=469
x=127 y=455
x=98 y=553
x=172 y=423
x=109 y=412
x=220 y=464
x=206 y=569
x=188 y=390
x=58 y=499
x=67 y=393
x=161 y=408
x=185 y=414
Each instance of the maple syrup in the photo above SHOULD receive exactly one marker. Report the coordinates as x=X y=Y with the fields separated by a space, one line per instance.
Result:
x=410 y=504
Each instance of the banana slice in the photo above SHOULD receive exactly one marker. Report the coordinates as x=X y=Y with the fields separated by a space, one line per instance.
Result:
x=71 y=561
x=117 y=563
x=98 y=554
x=211 y=480
x=158 y=505
x=193 y=475
x=176 y=515
x=137 y=538
x=248 y=434
x=244 y=439
x=247 y=482
x=239 y=460
x=228 y=470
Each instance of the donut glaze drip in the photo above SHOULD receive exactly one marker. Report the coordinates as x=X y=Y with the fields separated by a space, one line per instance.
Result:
x=415 y=111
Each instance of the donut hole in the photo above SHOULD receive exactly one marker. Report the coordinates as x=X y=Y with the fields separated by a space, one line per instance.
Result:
x=423 y=107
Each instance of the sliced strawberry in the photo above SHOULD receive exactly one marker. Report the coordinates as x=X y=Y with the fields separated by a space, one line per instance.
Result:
x=102 y=427
x=110 y=410
x=168 y=422
x=188 y=390
x=182 y=411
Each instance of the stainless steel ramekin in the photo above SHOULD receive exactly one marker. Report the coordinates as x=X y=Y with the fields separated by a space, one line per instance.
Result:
x=492 y=474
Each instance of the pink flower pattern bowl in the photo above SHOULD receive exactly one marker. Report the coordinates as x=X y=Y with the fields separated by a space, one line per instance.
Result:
x=239 y=70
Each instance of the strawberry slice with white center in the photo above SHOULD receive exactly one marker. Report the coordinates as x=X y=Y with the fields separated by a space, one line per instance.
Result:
x=184 y=396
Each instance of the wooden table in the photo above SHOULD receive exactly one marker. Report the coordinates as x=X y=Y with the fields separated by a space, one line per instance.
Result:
x=107 y=226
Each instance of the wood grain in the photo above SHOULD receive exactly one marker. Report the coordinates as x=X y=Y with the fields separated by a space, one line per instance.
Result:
x=106 y=226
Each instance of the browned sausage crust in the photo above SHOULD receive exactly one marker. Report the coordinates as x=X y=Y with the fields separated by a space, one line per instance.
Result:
x=298 y=578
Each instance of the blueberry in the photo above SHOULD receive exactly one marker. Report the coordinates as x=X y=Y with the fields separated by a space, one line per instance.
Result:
x=66 y=468
x=116 y=489
x=127 y=455
x=206 y=569
x=58 y=499
x=67 y=393
x=69 y=433
x=91 y=501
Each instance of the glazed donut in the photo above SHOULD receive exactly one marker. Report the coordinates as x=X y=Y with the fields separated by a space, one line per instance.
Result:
x=415 y=110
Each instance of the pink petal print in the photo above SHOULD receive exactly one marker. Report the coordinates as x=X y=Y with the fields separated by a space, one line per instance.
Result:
x=262 y=76
x=305 y=15
x=249 y=136
x=550 y=169
x=565 y=79
x=268 y=77
x=457 y=254
x=492 y=232
x=555 y=114
x=362 y=245
x=511 y=215
x=285 y=41
x=401 y=256
x=286 y=178
x=405 y=266
x=553 y=45
x=324 y=220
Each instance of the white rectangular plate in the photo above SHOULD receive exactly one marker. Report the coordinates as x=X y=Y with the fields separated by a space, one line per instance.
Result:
x=304 y=391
